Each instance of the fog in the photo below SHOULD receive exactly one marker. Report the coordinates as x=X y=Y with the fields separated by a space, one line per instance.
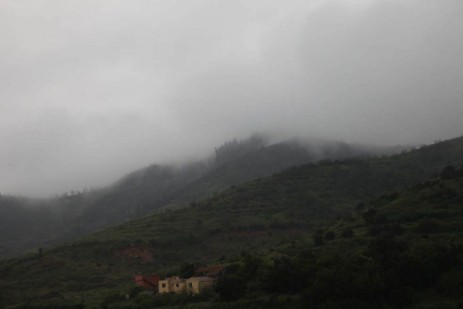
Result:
x=92 y=89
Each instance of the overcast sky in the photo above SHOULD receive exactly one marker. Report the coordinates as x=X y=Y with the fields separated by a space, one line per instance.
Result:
x=92 y=89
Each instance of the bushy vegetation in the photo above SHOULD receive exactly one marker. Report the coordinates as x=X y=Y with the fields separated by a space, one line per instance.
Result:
x=398 y=266
x=313 y=236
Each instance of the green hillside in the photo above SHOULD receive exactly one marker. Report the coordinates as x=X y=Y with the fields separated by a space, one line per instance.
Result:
x=159 y=187
x=269 y=217
x=31 y=223
x=401 y=250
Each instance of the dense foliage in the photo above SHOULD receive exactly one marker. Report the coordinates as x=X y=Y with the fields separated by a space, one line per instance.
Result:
x=409 y=254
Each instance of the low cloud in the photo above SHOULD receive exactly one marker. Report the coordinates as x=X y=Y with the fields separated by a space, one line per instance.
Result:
x=91 y=90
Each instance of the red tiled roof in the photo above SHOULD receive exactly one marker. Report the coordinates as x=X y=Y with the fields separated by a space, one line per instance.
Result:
x=148 y=282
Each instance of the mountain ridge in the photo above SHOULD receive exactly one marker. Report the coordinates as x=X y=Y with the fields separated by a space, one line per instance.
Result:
x=159 y=187
x=255 y=216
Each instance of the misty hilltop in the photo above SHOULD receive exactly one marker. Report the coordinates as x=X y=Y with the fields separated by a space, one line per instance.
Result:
x=28 y=223
x=89 y=97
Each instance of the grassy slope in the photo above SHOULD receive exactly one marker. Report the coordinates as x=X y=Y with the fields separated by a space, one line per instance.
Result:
x=255 y=216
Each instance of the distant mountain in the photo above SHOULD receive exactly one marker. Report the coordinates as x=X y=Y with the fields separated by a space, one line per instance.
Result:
x=159 y=187
x=26 y=224
x=264 y=216
x=20 y=218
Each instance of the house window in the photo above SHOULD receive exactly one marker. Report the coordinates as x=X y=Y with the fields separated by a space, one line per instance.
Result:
x=163 y=285
x=190 y=285
x=176 y=285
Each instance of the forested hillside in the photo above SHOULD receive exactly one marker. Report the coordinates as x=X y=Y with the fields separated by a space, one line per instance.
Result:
x=31 y=223
x=157 y=187
x=400 y=250
x=293 y=209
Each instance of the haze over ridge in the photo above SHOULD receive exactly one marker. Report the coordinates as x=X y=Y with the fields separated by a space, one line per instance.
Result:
x=91 y=90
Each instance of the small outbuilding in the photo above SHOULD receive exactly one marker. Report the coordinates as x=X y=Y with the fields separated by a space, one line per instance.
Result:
x=196 y=285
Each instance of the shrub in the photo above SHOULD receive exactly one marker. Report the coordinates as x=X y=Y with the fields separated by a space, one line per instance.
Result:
x=369 y=216
x=330 y=235
x=318 y=240
x=448 y=172
x=451 y=283
x=230 y=287
x=347 y=233
x=428 y=226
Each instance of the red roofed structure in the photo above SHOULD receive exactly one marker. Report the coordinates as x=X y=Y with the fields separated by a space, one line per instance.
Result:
x=148 y=282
